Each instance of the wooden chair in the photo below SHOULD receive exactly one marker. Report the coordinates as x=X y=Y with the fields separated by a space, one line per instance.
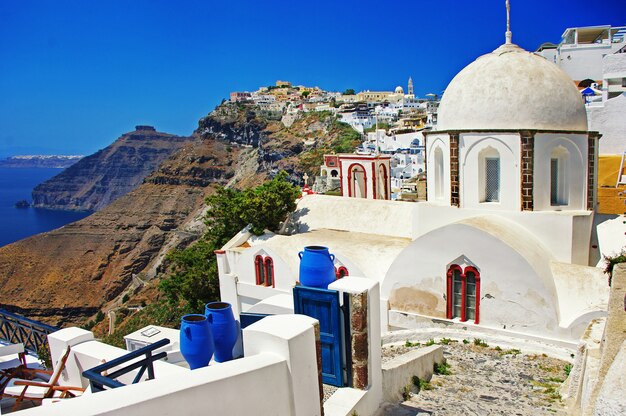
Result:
x=9 y=368
x=22 y=389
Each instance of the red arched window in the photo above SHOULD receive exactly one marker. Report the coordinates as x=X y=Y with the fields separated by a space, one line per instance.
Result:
x=269 y=271
x=259 y=270
x=341 y=272
x=463 y=293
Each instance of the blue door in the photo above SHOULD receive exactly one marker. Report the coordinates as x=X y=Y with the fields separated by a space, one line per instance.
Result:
x=323 y=305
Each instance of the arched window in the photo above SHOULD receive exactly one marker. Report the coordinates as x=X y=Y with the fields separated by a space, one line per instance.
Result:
x=438 y=173
x=559 y=187
x=463 y=293
x=259 y=270
x=341 y=272
x=269 y=271
x=489 y=175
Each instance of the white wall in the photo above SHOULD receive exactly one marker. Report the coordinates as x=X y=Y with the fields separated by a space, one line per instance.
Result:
x=278 y=376
x=582 y=62
x=576 y=170
x=442 y=142
x=508 y=148
x=517 y=290
x=610 y=121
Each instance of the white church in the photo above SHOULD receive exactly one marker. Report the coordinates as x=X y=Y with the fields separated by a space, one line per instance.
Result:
x=505 y=239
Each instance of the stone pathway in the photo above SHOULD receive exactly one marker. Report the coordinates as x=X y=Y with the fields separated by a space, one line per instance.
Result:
x=486 y=381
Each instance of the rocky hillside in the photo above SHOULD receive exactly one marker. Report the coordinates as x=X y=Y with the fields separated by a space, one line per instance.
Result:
x=97 y=180
x=67 y=275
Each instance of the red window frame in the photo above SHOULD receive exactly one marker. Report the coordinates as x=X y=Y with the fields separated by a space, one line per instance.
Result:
x=449 y=290
x=259 y=270
x=269 y=271
x=264 y=271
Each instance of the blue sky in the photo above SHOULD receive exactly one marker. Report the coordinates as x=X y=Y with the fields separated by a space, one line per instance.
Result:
x=75 y=75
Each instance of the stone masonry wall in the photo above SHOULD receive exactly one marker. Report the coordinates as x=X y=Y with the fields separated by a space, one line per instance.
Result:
x=359 y=337
x=455 y=199
x=527 y=169
x=591 y=171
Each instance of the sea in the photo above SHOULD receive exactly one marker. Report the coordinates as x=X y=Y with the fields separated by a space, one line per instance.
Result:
x=16 y=184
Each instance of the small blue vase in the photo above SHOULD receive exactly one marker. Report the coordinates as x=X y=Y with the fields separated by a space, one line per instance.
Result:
x=196 y=340
x=317 y=268
x=224 y=328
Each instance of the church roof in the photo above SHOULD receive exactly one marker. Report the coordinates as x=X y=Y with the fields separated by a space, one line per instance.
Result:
x=511 y=88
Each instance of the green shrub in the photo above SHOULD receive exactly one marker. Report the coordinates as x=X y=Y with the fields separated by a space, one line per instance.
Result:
x=611 y=261
x=567 y=369
x=430 y=342
x=480 y=343
x=442 y=368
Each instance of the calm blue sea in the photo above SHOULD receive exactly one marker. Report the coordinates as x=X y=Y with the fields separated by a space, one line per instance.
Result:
x=16 y=223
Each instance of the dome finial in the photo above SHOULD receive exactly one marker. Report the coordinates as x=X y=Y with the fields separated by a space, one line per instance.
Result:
x=508 y=34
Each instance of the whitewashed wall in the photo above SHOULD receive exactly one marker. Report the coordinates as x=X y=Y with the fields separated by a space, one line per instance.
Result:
x=517 y=289
x=278 y=376
x=508 y=148
x=576 y=170
x=433 y=142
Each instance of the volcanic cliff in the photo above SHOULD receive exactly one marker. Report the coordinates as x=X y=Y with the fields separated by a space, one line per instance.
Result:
x=67 y=275
x=97 y=180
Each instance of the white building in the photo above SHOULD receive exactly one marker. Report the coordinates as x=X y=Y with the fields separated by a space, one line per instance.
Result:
x=609 y=115
x=581 y=50
x=504 y=240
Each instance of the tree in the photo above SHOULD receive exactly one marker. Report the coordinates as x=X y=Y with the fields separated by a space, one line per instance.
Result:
x=349 y=91
x=305 y=94
x=194 y=278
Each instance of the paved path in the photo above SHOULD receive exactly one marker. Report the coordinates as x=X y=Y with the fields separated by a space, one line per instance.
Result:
x=488 y=381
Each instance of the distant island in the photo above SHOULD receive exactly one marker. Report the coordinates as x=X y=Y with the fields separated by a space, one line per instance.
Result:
x=40 y=161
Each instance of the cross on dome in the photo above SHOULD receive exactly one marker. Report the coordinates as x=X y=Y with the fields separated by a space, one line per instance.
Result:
x=508 y=34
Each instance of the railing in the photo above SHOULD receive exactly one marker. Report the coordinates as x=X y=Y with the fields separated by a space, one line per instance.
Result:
x=99 y=381
x=18 y=329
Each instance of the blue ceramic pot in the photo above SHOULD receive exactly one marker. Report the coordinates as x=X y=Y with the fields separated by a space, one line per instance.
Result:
x=317 y=267
x=196 y=341
x=224 y=328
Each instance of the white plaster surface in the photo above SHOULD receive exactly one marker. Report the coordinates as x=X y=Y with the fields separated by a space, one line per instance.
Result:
x=612 y=398
x=508 y=148
x=611 y=237
x=388 y=218
x=610 y=121
x=434 y=142
x=511 y=88
x=583 y=294
x=517 y=290
x=575 y=171
x=398 y=373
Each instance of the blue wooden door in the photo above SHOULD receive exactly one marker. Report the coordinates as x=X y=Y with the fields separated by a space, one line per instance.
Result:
x=323 y=305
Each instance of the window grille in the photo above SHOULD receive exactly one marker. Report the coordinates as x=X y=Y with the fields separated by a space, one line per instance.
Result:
x=470 y=293
x=457 y=293
x=492 y=179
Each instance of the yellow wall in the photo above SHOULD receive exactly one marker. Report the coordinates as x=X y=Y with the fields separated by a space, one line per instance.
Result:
x=609 y=202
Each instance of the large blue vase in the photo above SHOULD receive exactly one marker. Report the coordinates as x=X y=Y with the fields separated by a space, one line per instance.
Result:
x=317 y=267
x=196 y=341
x=224 y=328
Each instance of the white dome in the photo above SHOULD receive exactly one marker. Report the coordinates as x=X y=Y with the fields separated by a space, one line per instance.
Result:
x=399 y=90
x=509 y=89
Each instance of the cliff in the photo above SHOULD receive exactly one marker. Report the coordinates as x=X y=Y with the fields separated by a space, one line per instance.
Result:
x=95 y=181
x=67 y=275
